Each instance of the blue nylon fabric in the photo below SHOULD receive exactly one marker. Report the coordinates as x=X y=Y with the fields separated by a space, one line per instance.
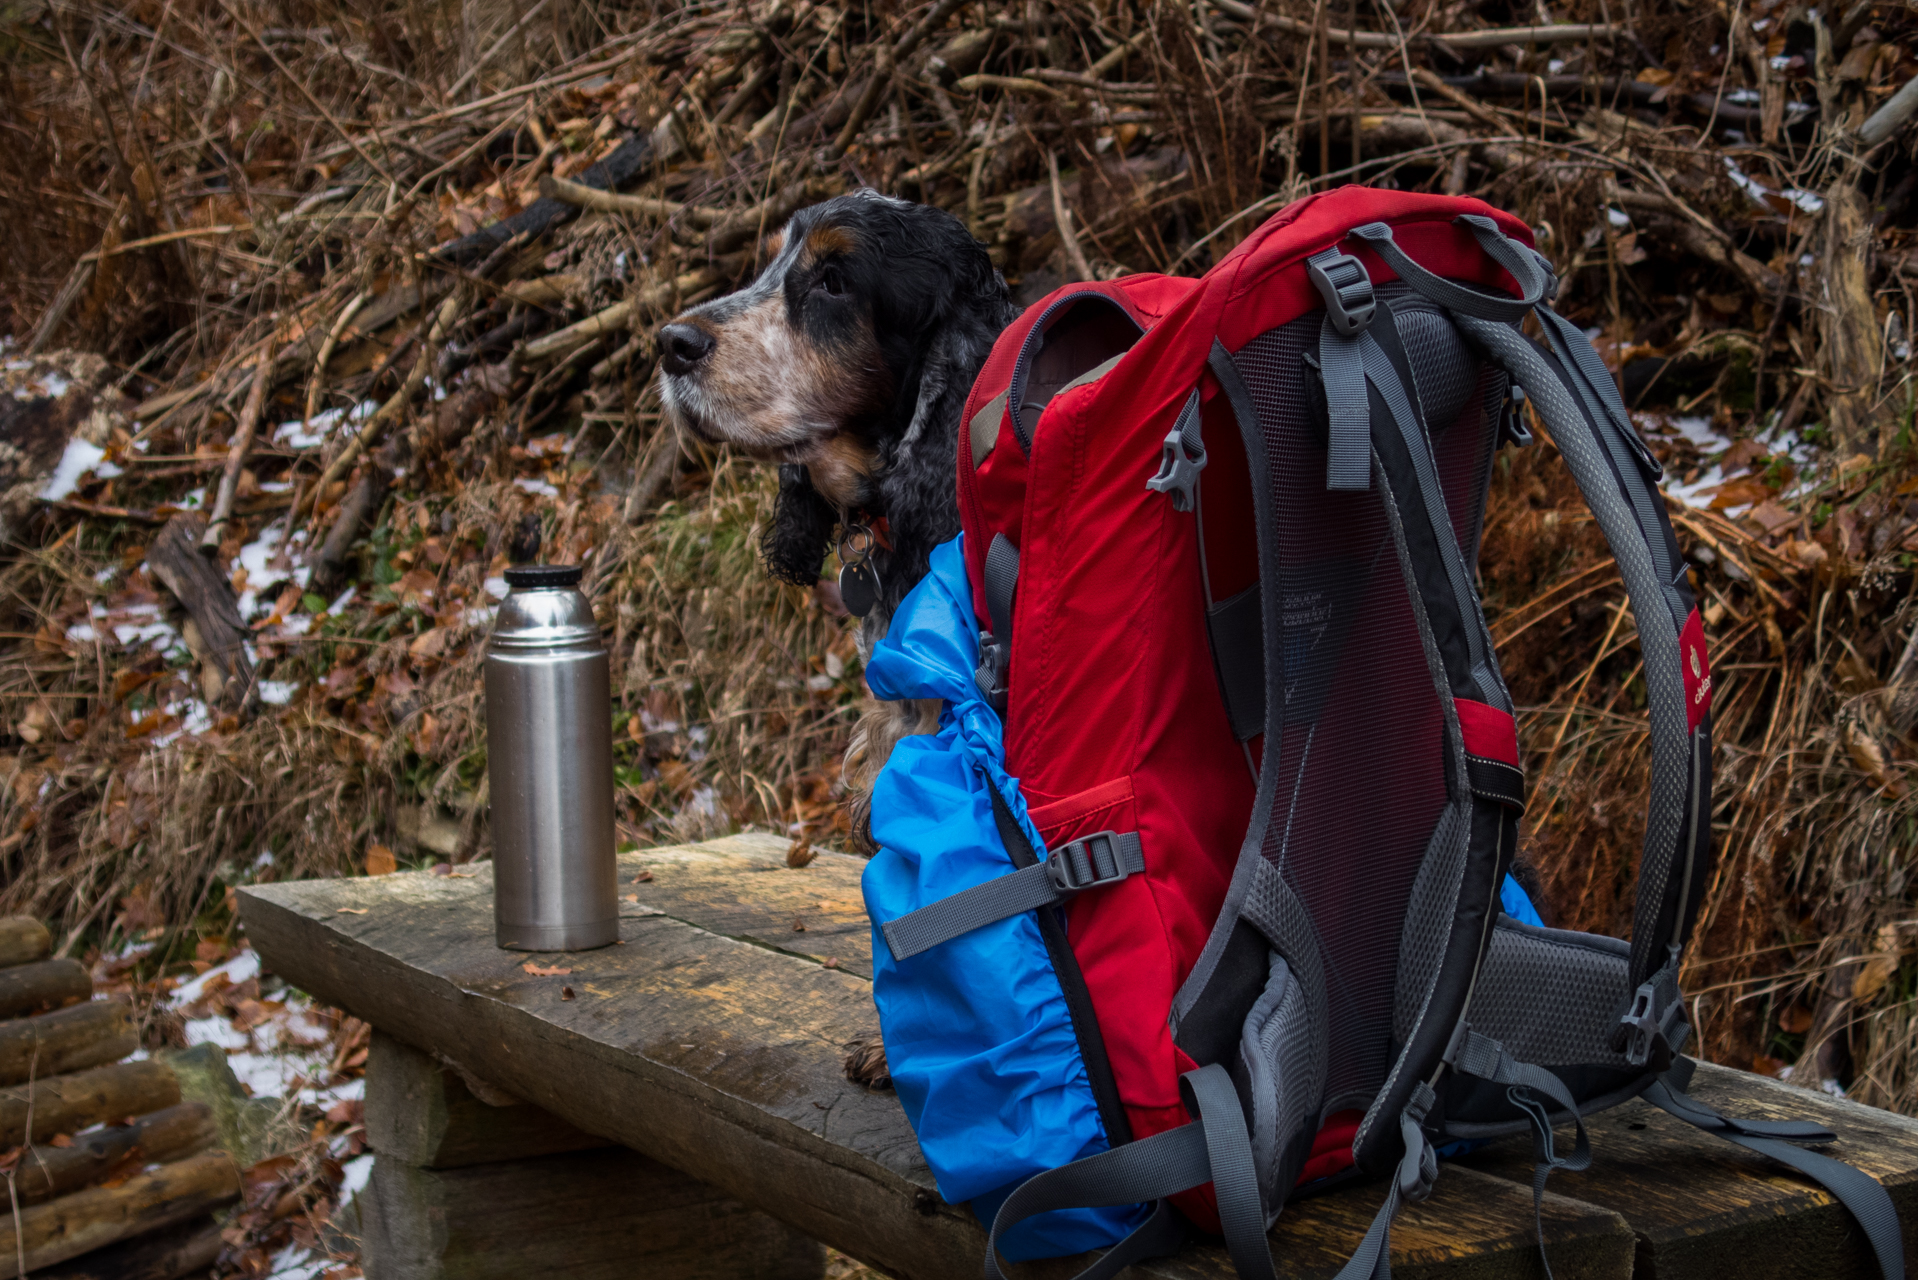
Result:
x=978 y=1037
x=1516 y=905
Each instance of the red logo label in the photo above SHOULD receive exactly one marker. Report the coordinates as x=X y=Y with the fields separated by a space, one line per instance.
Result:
x=1697 y=671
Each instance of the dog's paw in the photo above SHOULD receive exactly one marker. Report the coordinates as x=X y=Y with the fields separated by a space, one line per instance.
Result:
x=866 y=1063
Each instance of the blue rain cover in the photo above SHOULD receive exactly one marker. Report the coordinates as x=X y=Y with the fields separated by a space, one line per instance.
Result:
x=978 y=1038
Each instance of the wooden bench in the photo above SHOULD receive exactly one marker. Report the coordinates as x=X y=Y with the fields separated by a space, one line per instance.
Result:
x=711 y=1042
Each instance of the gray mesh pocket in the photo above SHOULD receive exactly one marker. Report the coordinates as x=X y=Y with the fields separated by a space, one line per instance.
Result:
x=1552 y=996
x=1280 y=1074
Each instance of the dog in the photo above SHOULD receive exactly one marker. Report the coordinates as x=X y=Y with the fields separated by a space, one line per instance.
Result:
x=847 y=362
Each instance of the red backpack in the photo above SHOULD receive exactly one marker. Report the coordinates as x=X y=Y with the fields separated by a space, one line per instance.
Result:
x=1220 y=538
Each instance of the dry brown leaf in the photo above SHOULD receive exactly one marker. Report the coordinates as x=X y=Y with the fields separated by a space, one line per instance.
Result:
x=545 y=971
x=380 y=860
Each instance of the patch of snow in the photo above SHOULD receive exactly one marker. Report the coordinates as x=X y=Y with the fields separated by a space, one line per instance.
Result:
x=107 y=574
x=82 y=633
x=195 y=718
x=537 y=487
x=346 y=598
x=497 y=588
x=1700 y=432
x=278 y=692
x=315 y=432
x=79 y=459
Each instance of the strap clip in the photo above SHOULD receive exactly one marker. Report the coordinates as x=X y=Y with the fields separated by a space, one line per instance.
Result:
x=1181 y=459
x=1094 y=861
x=1511 y=427
x=1343 y=282
x=991 y=675
x=1653 y=1029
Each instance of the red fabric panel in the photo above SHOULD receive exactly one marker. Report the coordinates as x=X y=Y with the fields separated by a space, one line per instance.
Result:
x=1332 y=1148
x=1049 y=818
x=1697 y=670
x=1488 y=732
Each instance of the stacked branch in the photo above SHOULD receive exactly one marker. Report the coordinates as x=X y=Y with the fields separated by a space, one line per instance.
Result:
x=96 y=1152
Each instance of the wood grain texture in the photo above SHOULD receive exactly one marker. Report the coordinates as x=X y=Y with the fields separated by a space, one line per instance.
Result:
x=714 y=1050
x=22 y=938
x=1697 y=1202
x=169 y=1254
x=596 y=1215
x=421 y=1113
x=42 y=985
x=67 y=1104
x=66 y=1040
x=46 y=1173
x=100 y=1216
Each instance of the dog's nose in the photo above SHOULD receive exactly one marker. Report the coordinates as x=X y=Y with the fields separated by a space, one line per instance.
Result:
x=682 y=347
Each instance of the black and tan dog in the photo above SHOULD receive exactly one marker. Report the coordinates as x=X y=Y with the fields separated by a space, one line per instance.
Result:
x=848 y=362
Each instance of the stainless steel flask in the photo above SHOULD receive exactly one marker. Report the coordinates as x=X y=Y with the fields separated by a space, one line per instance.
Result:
x=549 y=758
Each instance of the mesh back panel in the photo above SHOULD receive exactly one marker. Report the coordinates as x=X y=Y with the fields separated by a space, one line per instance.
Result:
x=1360 y=781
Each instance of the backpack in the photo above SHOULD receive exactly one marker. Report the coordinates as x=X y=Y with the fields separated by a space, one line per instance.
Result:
x=1199 y=897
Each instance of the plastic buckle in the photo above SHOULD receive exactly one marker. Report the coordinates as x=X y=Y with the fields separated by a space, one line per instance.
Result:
x=1077 y=866
x=1512 y=424
x=1179 y=471
x=991 y=675
x=1649 y=1030
x=1342 y=281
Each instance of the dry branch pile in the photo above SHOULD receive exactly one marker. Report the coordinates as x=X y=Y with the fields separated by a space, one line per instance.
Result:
x=374 y=285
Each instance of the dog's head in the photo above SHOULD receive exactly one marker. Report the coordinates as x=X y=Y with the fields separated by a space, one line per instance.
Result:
x=851 y=355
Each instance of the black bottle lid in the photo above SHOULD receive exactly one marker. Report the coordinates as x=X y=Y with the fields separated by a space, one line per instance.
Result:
x=522 y=576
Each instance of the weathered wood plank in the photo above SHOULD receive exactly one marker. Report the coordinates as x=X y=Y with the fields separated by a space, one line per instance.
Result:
x=723 y=1059
x=66 y=1040
x=421 y=1113
x=1697 y=1203
x=593 y=1215
x=742 y=888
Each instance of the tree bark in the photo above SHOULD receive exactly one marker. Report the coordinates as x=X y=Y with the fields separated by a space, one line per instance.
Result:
x=43 y=985
x=23 y=939
x=1850 y=345
x=68 y=1040
x=179 y=1251
x=226 y=675
x=65 y=1104
x=47 y=1173
x=100 y=1216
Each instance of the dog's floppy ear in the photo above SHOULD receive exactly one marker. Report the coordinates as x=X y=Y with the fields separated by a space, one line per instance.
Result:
x=794 y=545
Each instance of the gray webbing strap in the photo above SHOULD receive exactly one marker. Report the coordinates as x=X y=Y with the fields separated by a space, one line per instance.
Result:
x=1348 y=456
x=1449 y=293
x=1086 y=863
x=1151 y=1169
x=1412 y=1182
x=1001 y=576
x=1411 y=427
x=1862 y=1195
x=1486 y=1058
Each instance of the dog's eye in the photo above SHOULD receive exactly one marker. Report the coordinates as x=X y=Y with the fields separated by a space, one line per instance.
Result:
x=831 y=281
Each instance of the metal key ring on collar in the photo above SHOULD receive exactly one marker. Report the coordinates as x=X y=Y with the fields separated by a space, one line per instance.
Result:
x=859 y=539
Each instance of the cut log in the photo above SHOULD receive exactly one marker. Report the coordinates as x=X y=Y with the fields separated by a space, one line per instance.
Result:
x=23 y=939
x=203 y=591
x=47 y=1173
x=178 y=1251
x=1850 y=343
x=43 y=985
x=100 y=1216
x=67 y=1040
x=422 y=1113
x=596 y=1215
x=64 y=1104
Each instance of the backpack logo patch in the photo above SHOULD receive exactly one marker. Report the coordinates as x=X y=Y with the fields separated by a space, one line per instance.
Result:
x=1696 y=670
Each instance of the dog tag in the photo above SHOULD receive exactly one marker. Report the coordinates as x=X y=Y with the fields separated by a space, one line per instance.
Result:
x=858 y=588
